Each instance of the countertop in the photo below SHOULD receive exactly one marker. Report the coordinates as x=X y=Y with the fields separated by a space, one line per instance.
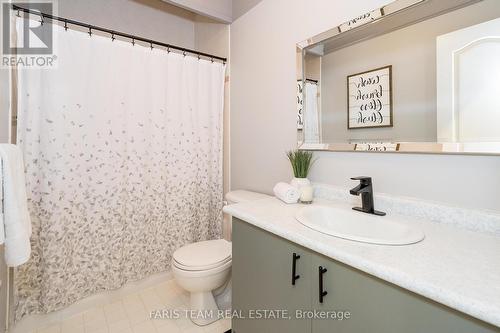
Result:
x=453 y=266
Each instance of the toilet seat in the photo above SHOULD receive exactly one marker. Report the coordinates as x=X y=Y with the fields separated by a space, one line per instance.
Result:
x=179 y=272
x=202 y=256
x=201 y=268
x=204 y=269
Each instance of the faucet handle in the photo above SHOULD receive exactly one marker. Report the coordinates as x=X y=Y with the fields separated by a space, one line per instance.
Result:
x=363 y=179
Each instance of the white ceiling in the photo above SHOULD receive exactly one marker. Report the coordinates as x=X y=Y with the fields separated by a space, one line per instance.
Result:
x=221 y=10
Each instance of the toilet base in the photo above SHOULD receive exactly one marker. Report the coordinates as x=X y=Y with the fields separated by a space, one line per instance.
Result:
x=204 y=310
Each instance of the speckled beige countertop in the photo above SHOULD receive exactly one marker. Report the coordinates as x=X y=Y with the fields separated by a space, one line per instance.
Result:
x=454 y=266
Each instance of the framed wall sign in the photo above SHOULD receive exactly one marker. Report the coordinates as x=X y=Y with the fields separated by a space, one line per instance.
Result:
x=376 y=146
x=369 y=99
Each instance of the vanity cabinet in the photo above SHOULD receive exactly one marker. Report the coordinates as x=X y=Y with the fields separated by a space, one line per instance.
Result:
x=262 y=280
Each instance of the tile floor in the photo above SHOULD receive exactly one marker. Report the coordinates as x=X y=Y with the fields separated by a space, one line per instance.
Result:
x=131 y=314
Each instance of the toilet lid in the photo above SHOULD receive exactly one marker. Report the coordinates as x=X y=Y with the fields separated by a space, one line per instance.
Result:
x=203 y=254
x=244 y=196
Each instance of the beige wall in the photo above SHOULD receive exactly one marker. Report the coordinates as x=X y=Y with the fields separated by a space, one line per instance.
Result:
x=211 y=36
x=240 y=7
x=412 y=53
x=312 y=67
x=263 y=116
x=148 y=18
x=220 y=10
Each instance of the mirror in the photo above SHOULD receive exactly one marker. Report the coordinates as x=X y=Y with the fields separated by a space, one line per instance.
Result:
x=413 y=76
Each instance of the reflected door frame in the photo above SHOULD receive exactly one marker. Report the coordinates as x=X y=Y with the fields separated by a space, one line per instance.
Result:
x=449 y=48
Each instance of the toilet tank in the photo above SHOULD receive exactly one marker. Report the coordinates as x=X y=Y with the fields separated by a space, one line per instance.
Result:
x=237 y=196
x=234 y=197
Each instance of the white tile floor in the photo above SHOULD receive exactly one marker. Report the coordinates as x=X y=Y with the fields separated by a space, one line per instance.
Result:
x=131 y=314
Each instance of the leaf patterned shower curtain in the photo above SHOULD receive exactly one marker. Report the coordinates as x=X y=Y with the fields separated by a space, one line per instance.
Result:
x=123 y=153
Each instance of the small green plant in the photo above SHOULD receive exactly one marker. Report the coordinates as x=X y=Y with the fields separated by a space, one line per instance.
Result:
x=301 y=162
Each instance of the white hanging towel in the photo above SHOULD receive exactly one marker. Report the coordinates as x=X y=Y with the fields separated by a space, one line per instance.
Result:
x=311 y=116
x=15 y=227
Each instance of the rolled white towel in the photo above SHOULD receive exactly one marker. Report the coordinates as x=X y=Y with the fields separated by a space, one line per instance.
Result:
x=286 y=193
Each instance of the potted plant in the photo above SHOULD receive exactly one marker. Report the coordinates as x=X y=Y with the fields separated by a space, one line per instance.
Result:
x=301 y=162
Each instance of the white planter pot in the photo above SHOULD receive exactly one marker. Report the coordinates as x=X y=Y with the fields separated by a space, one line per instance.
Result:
x=300 y=182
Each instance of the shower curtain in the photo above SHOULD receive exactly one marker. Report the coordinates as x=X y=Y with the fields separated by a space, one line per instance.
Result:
x=311 y=114
x=123 y=151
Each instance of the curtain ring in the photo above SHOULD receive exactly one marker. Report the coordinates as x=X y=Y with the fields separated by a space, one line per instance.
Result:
x=41 y=18
x=90 y=31
x=151 y=45
x=133 y=41
x=113 y=37
x=18 y=13
x=199 y=57
x=184 y=53
x=212 y=60
x=65 y=25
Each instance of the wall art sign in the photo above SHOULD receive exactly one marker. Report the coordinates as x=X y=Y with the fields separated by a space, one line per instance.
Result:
x=377 y=146
x=369 y=99
x=360 y=20
x=300 y=105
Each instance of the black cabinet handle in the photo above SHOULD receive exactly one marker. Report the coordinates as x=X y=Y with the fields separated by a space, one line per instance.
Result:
x=295 y=276
x=322 y=293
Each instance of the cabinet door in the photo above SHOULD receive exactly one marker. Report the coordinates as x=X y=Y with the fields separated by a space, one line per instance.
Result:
x=262 y=280
x=380 y=307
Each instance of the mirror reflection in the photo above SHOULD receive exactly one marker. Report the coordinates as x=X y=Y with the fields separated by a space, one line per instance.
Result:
x=427 y=73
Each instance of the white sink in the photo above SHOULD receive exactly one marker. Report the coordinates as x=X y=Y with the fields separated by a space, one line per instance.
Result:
x=358 y=226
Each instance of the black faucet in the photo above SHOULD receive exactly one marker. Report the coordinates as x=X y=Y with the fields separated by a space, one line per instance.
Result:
x=365 y=188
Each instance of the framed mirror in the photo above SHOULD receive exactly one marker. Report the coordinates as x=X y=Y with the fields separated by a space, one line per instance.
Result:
x=413 y=76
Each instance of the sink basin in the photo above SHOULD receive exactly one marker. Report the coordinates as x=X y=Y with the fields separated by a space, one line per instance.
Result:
x=357 y=226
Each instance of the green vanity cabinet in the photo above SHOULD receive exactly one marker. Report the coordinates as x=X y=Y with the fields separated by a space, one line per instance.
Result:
x=377 y=306
x=262 y=279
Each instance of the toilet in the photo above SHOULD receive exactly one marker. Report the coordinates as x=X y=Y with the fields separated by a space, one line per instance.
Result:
x=203 y=268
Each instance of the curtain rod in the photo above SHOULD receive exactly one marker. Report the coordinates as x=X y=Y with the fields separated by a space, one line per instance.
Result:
x=310 y=80
x=116 y=33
